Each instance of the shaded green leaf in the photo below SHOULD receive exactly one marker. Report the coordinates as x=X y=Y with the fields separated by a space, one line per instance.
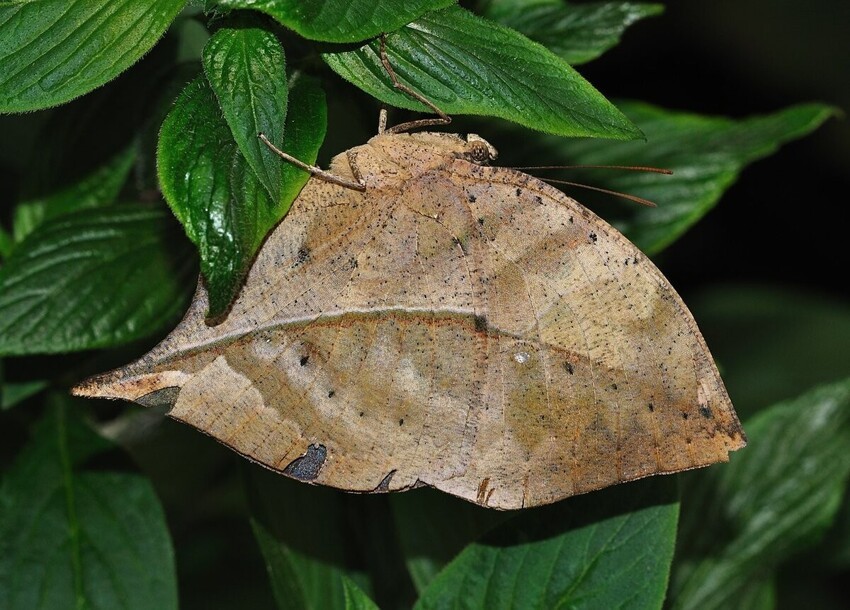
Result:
x=355 y=598
x=786 y=339
x=301 y=532
x=610 y=549
x=95 y=278
x=245 y=66
x=834 y=552
x=84 y=152
x=340 y=20
x=283 y=570
x=100 y=187
x=52 y=51
x=15 y=392
x=221 y=204
x=434 y=527
x=71 y=537
x=466 y=64
x=706 y=155
x=6 y=243
x=758 y=594
x=772 y=500
x=577 y=33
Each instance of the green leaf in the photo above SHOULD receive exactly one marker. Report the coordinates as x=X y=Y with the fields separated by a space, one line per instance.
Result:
x=72 y=537
x=95 y=278
x=355 y=598
x=577 y=33
x=772 y=500
x=52 y=51
x=610 y=549
x=706 y=155
x=433 y=527
x=221 y=204
x=301 y=531
x=200 y=169
x=469 y=65
x=245 y=66
x=340 y=20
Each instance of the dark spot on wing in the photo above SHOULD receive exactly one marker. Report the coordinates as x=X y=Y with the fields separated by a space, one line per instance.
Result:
x=163 y=397
x=384 y=485
x=307 y=467
x=302 y=256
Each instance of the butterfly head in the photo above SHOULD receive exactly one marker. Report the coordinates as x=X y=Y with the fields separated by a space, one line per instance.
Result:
x=478 y=150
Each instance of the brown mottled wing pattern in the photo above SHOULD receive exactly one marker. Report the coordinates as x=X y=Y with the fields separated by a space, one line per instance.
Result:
x=595 y=370
x=473 y=329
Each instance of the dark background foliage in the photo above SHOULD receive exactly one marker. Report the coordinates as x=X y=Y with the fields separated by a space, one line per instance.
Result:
x=738 y=59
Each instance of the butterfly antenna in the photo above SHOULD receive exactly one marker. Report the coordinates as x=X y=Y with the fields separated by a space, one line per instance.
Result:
x=634 y=198
x=628 y=168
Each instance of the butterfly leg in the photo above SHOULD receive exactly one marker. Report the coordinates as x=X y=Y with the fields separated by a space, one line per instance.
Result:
x=317 y=171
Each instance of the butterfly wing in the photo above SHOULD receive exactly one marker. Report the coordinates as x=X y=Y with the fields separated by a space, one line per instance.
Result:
x=473 y=329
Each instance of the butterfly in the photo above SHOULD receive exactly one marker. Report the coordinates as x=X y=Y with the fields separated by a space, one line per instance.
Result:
x=447 y=323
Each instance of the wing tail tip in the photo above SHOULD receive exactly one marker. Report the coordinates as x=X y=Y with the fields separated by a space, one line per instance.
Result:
x=116 y=385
